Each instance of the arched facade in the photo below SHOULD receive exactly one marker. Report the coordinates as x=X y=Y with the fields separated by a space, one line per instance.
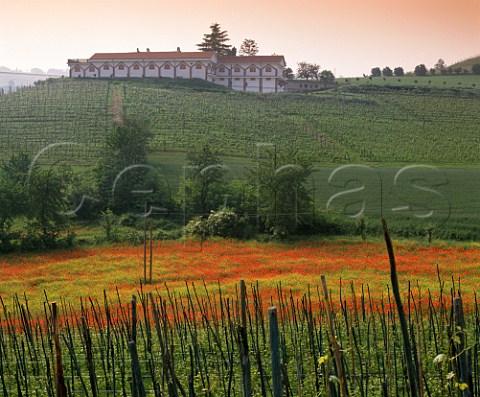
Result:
x=244 y=73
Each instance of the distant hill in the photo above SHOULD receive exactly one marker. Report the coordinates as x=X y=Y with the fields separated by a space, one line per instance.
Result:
x=11 y=79
x=467 y=63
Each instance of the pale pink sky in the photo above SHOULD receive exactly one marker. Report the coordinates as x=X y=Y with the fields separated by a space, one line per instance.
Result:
x=346 y=36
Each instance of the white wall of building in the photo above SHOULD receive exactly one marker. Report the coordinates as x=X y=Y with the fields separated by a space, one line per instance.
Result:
x=264 y=75
x=198 y=70
x=167 y=70
x=151 y=70
x=183 y=71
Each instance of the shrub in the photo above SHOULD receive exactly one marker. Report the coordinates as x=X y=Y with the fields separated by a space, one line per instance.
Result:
x=222 y=223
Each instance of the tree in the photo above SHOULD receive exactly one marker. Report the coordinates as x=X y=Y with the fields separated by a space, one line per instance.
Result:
x=420 y=70
x=376 y=72
x=433 y=71
x=326 y=77
x=398 y=71
x=476 y=68
x=123 y=171
x=283 y=198
x=307 y=70
x=288 y=74
x=440 y=64
x=13 y=197
x=215 y=40
x=47 y=205
x=387 y=72
x=203 y=188
x=249 y=47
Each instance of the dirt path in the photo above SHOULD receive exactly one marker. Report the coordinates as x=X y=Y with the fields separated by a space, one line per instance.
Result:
x=117 y=104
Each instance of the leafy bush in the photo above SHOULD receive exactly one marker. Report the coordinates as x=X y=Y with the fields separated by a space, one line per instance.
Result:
x=222 y=223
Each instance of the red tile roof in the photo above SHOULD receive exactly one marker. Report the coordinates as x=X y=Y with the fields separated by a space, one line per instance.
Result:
x=252 y=59
x=153 y=55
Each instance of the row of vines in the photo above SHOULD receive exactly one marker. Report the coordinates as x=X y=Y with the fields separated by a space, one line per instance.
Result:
x=210 y=342
x=343 y=125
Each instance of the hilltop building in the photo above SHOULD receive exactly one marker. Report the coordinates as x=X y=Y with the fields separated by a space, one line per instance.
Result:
x=257 y=73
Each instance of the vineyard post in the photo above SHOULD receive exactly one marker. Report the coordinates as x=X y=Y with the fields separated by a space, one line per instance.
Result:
x=275 y=351
x=337 y=354
x=145 y=245
x=137 y=373
x=462 y=354
x=151 y=248
x=411 y=370
x=243 y=341
x=61 y=390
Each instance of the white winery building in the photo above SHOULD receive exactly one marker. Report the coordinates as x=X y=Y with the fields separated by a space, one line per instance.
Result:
x=257 y=73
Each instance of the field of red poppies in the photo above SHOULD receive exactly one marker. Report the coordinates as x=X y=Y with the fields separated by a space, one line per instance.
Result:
x=88 y=272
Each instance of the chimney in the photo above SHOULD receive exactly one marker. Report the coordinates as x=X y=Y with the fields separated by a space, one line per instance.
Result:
x=178 y=49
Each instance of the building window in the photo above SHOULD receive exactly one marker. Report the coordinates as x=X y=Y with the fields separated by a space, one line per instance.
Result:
x=268 y=78
x=237 y=69
x=253 y=69
x=268 y=69
x=222 y=79
x=151 y=66
x=237 y=79
x=221 y=69
x=253 y=79
x=121 y=67
x=106 y=67
x=198 y=66
x=167 y=66
x=136 y=67
x=183 y=66
x=91 y=69
x=77 y=68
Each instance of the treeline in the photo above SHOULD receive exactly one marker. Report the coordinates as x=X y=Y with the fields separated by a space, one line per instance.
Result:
x=440 y=68
x=271 y=198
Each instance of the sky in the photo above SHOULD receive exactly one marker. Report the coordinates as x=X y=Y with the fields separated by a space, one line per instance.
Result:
x=348 y=37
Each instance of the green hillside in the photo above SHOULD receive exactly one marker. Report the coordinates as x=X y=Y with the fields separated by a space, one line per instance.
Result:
x=467 y=63
x=357 y=123
x=387 y=126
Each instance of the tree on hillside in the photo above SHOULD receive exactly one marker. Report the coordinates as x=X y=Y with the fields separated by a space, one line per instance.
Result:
x=440 y=64
x=47 y=204
x=420 y=70
x=123 y=171
x=13 y=198
x=249 y=47
x=215 y=40
x=398 y=71
x=387 y=72
x=476 y=68
x=326 y=77
x=203 y=187
x=376 y=72
x=280 y=179
x=288 y=74
x=307 y=70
